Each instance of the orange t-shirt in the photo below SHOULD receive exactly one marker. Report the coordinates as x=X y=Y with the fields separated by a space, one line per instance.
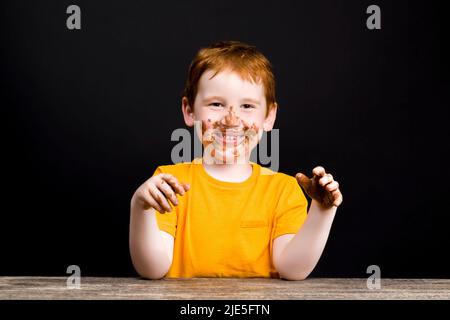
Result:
x=226 y=229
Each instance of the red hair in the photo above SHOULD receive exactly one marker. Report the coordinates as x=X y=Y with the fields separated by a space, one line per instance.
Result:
x=244 y=59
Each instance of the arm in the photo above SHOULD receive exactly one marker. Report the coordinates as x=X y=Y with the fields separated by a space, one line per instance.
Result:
x=296 y=255
x=151 y=249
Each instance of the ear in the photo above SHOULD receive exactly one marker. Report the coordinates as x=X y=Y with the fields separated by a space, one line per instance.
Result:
x=270 y=119
x=188 y=112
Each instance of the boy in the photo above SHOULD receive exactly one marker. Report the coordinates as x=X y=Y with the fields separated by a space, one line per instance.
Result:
x=222 y=215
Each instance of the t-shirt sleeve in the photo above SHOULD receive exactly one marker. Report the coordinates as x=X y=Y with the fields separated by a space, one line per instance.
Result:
x=291 y=210
x=166 y=221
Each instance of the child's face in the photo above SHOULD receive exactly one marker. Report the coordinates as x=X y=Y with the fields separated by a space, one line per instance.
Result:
x=232 y=115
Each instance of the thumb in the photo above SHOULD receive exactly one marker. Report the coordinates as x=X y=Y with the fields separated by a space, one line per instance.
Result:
x=303 y=180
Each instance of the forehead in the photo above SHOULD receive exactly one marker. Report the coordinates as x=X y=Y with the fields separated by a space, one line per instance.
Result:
x=228 y=82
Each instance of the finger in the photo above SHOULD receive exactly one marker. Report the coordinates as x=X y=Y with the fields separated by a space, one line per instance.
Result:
x=150 y=201
x=338 y=202
x=332 y=186
x=319 y=171
x=168 y=192
x=160 y=198
x=186 y=186
x=337 y=196
x=303 y=180
x=326 y=179
x=173 y=181
x=155 y=197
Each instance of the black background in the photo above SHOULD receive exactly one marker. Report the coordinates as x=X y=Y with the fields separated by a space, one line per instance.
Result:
x=87 y=116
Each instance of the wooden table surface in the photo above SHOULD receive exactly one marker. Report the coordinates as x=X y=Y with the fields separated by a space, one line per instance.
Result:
x=44 y=288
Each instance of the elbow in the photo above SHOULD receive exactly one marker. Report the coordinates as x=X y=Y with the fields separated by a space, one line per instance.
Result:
x=292 y=272
x=151 y=268
x=293 y=276
x=152 y=271
x=152 y=274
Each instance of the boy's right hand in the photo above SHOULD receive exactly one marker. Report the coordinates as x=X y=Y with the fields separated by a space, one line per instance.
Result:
x=157 y=191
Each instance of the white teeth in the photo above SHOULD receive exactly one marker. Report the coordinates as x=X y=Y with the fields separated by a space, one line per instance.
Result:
x=228 y=138
x=232 y=138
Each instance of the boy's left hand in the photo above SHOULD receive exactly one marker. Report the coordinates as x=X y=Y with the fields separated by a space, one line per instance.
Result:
x=321 y=187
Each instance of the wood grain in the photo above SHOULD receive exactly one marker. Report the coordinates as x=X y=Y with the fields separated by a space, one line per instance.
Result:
x=45 y=288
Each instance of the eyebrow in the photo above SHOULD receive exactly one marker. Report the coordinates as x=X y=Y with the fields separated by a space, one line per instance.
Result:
x=220 y=98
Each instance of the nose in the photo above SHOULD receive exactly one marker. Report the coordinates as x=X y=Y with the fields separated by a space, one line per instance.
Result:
x=231 y=119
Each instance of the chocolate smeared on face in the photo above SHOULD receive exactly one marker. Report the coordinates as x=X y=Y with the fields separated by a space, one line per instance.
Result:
x=207 y=131
x=230 y=134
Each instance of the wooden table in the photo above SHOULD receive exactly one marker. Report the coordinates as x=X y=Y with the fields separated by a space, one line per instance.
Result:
x=44 y=288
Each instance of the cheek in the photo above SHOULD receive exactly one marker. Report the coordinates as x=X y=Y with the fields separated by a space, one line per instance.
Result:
x=252 y=129
x=254 y=119
x=208 y=126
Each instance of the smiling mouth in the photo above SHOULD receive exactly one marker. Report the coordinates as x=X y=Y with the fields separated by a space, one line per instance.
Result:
x=228 y=139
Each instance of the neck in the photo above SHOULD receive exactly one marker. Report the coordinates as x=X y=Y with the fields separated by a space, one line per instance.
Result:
x=229 y=172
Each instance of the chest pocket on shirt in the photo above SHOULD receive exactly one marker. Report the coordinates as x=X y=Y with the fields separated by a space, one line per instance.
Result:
x=254 y=243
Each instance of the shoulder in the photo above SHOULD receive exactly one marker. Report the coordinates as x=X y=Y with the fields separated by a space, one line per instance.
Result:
x=279 y=184
x=277 y=177
x=179 y=170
